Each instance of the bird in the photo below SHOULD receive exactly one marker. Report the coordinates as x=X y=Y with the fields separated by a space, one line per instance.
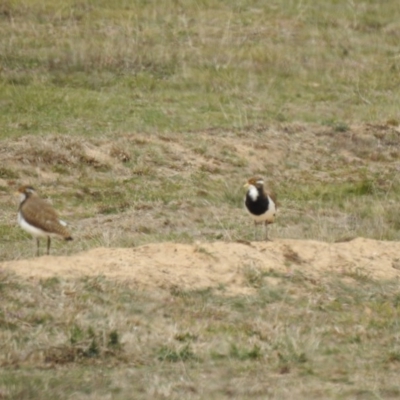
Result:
x=260 y=204
x=37 y=217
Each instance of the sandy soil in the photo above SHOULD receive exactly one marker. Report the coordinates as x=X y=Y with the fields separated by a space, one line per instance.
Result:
x=219 y=264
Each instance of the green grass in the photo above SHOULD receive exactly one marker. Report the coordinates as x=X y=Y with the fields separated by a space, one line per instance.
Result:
x=89 y=68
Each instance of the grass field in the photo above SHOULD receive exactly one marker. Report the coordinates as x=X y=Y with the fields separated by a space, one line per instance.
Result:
x=141 y=120
x=102 y=67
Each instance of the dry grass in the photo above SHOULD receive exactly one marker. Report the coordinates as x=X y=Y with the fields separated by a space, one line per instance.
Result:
x=138 y=189
x=337 y=338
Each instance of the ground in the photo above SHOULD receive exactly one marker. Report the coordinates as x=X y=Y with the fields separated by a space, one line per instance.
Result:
x=219 y=265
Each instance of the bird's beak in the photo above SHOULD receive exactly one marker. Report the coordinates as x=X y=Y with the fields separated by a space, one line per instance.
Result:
x=246 y=185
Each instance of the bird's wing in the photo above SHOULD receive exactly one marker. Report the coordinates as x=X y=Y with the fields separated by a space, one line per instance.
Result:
x=273 y=197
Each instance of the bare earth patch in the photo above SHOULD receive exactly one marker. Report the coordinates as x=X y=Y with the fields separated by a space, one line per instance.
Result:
x=221 y=265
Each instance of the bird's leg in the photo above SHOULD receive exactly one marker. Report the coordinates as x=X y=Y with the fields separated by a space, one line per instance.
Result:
x=37 y=247
x=255 y=231
x=266 y=232
x=48 y=245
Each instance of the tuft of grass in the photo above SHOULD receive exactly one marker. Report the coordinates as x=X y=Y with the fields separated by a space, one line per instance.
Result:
x=7 y=173
x=245 y=354
x=253 y=276
x=183 y=354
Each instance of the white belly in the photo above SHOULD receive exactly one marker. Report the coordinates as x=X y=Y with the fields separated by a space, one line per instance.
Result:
x=30 y=228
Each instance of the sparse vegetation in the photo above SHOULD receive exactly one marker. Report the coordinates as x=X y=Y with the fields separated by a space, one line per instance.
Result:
x=140 y=121
x=219 y=345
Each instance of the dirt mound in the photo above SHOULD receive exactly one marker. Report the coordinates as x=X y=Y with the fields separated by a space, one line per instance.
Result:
x=232 y=267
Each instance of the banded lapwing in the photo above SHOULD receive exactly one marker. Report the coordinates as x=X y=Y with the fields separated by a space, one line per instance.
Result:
x=38 y=217
x=260 y=204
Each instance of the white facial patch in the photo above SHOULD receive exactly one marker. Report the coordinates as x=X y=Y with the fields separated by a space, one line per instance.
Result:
x=22 y=197
x=253 y=192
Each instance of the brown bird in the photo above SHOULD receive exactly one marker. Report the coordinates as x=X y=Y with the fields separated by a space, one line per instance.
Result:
x=38 y=217
x=260 y=204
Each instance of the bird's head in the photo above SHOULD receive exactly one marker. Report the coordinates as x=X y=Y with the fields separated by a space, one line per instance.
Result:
x=255 y=181
x=24 y=192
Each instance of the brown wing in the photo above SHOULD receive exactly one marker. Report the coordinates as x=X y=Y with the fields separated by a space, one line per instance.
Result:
x=40 y=213
x=273 y=197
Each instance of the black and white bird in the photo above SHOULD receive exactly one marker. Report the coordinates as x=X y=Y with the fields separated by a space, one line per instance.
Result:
x=260 y=204
x=37 y=217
